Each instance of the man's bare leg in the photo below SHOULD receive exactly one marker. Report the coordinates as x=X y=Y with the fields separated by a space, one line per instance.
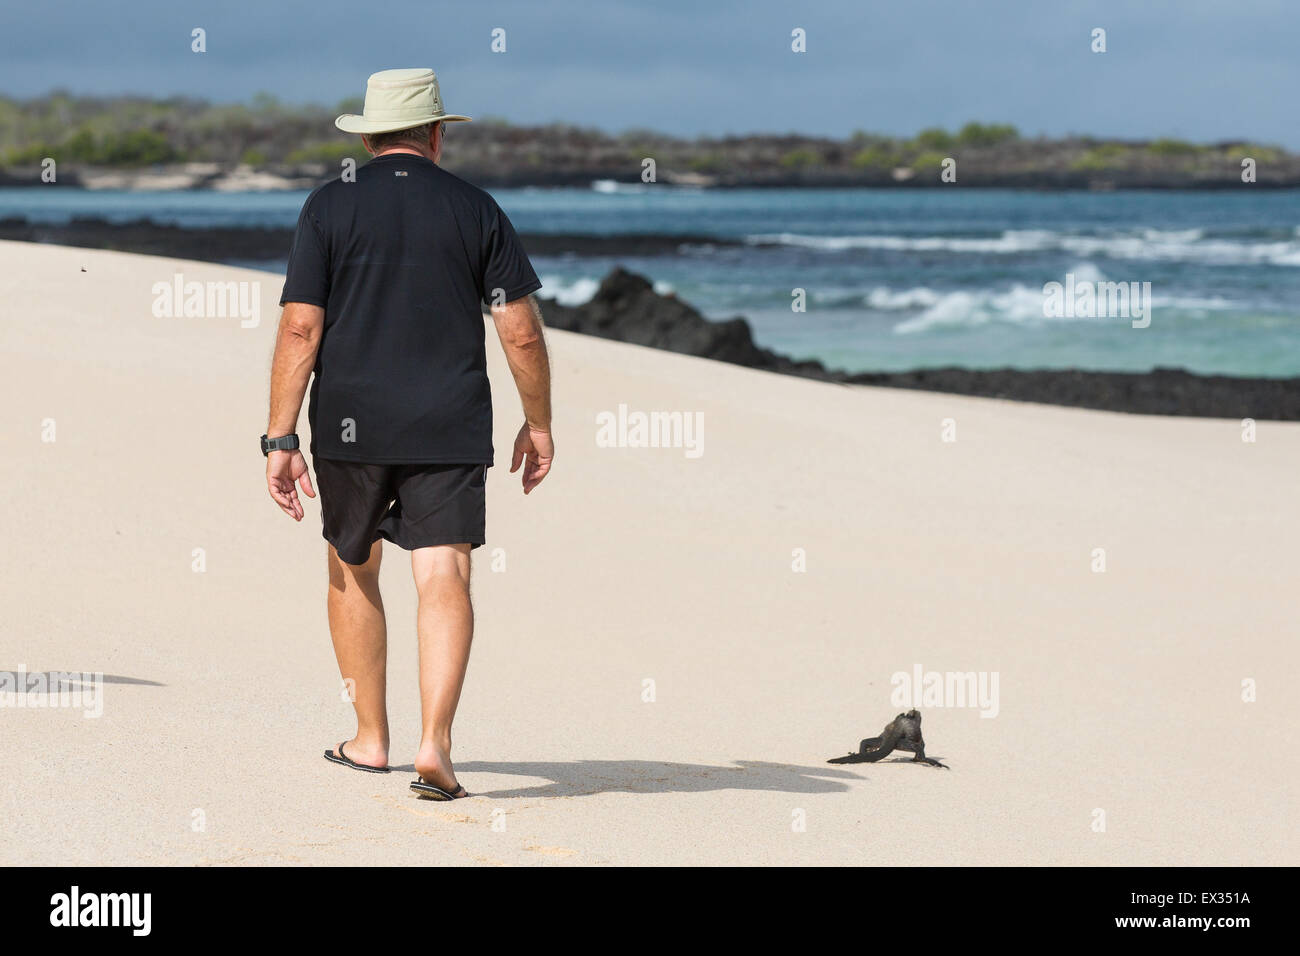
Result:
x=446 y=627
x=356 y=614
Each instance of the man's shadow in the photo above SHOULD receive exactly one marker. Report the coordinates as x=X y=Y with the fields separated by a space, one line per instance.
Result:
x=582 y=778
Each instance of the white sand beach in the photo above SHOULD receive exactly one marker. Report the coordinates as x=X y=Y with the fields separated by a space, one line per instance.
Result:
x=1118 y=691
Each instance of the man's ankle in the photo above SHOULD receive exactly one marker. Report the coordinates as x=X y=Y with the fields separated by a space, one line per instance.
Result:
x=438 y=739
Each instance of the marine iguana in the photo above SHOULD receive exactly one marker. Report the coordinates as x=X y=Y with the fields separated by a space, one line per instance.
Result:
x=901 y=733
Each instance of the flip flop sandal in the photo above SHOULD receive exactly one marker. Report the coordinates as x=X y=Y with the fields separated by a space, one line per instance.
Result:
x=347 y=761
x=430 y=792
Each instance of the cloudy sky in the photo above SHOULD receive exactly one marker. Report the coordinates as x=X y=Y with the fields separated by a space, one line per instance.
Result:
x=1195 y=69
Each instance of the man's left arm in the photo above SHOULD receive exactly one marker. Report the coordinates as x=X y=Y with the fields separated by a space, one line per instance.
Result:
x=296 y=343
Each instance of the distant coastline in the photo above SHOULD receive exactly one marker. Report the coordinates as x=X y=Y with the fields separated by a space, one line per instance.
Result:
x=981 y=172
x=135 y=143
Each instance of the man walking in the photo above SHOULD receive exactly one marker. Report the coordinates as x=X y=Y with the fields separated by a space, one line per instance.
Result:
x=383 y=298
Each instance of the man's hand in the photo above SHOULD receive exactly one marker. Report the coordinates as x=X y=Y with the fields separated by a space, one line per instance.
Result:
x=535 y=445
x=283 y=468
x=519 y=324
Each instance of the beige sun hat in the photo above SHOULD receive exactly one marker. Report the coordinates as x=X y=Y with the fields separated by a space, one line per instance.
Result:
x=398 y=99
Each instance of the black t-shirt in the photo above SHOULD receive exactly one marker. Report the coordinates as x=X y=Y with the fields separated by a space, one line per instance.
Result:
x=402 y=261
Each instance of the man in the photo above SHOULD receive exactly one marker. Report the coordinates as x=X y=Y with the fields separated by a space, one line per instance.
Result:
x=383 y=301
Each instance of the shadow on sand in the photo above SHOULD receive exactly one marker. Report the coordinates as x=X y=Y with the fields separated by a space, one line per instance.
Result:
x=582 y=778
x=106 y=678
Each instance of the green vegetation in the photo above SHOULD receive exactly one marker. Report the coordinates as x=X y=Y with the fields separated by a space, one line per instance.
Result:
x=1257 y=152
x=1100 y=158
x=977 y=134
x=936 y=139
x=140 y=147
x=302 y=142
x=928 y=162
x=331 y=154
x=134 y=132
x=929 y=148
x=29 y=155
x=877 y=157
x=708 y=163
x=1172 y=147
x=800 y=158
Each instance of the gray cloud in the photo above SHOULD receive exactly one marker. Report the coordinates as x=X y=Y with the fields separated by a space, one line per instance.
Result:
x=1196 y=69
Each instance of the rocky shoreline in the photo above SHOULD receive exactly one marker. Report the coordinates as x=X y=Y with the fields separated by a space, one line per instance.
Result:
x=250 y=243
x=627 y=308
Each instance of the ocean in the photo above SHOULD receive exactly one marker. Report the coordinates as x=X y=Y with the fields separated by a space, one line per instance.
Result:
x=894 y=279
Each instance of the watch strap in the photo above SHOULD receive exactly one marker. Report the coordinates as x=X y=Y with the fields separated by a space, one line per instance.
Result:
x=283 y=443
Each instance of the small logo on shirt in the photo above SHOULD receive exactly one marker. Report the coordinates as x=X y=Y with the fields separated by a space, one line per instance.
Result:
x=399 y=172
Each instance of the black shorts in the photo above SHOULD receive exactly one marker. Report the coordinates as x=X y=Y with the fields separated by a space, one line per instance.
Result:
x=413 y=506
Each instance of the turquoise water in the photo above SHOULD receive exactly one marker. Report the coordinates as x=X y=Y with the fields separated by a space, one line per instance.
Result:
x=901 y=278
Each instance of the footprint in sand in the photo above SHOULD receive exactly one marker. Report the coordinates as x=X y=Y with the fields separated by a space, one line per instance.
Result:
x=552 y=850
x=421 y=812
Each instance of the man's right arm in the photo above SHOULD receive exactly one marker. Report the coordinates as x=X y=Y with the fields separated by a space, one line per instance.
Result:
x=519 y=326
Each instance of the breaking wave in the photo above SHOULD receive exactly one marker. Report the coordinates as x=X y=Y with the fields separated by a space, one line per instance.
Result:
x=1171 y=245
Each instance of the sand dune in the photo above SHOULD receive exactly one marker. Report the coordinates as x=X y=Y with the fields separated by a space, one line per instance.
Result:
x=1118 y=691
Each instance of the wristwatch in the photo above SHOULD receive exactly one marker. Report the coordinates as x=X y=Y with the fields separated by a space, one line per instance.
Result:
x=284 y=443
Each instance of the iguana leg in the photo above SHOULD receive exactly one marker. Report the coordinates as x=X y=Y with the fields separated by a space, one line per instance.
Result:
x=863 y=753
x=922 y=758
x=883 y=746
x=912 y=747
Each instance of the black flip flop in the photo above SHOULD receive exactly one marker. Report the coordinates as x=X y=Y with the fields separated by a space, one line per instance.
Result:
x=347 y=761
x=430 y=792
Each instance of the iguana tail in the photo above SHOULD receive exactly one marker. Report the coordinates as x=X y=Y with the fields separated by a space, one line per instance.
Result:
x=849 y=758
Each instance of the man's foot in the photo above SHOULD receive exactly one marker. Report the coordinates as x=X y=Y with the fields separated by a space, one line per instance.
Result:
x=354 y=754
x=433 y=764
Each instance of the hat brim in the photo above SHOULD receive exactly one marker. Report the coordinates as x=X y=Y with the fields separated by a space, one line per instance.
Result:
x=353 y=123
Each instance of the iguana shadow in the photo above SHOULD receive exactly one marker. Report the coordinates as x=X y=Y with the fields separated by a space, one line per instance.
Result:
x=582 y=778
